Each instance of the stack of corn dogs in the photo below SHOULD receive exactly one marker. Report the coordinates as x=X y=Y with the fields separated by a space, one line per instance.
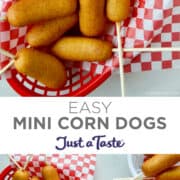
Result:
x=49 y=21
x=48 y=172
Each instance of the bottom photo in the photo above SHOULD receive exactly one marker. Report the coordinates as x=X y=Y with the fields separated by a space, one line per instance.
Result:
x=90 y=167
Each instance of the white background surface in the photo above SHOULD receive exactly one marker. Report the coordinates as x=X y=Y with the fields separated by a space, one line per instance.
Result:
x=107 y=168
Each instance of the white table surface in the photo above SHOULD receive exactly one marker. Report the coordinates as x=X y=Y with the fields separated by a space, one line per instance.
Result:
x=108 y=167
x=156 y=83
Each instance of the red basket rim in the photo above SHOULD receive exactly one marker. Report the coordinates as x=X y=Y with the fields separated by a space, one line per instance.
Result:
x=6 y=171
x=99 y=79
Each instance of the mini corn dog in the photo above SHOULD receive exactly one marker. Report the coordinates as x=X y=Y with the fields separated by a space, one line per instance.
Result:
x=34 y=178
x=20 y=175
x=50 y=173
x=41 y=66
x=171 y=174
x=47 y=32
x=24 y=12
x=82 y=49
x=159 y=163
x=117 y=10
x=92 y=17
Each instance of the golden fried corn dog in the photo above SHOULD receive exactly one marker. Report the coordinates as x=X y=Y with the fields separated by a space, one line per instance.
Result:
x=20 y=175
x=47 y=32
x=50 y=173
x=43 y=67
x=34 y=178
x=117 y=10
x=82 y=49
x=171 y=174
x=24 y=12
x=92 y=17
x=159 y=163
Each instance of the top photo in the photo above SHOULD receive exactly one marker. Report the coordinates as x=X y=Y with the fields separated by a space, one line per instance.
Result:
x=77 y=48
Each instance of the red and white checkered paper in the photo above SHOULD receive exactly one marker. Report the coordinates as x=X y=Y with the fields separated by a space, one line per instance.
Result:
x=153 y=23
x=70 y=167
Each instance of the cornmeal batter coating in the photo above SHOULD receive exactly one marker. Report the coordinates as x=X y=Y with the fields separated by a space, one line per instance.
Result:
x=171 y=174
x=50 y=173
x=159 y=163
x=92 y=17
x=41 y=66
x=82 y=49
x=47 y=32
x=25 y=12
x=20 y=175
x=117 y=10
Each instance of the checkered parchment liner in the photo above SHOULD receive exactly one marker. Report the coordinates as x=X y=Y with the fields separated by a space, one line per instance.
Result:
x=70 y=167
x=151 y=23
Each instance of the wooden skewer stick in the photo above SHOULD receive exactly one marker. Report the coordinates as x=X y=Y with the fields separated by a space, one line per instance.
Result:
x=121 y=63
x=8 y=54
x=27 y=161
x=46 y=160
x=151 y=49
x=119 y=50
x=139 y=176
x=15 y=162
x=6 y=67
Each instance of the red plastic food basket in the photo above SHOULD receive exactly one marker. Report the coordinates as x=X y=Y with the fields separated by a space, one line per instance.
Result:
x=77 y=167
x=7 y=173
x=79 y=83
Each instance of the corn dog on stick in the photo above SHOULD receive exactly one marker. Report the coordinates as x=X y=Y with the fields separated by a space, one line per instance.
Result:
x=171 y=174
x=159 y=163
x=117 y=11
